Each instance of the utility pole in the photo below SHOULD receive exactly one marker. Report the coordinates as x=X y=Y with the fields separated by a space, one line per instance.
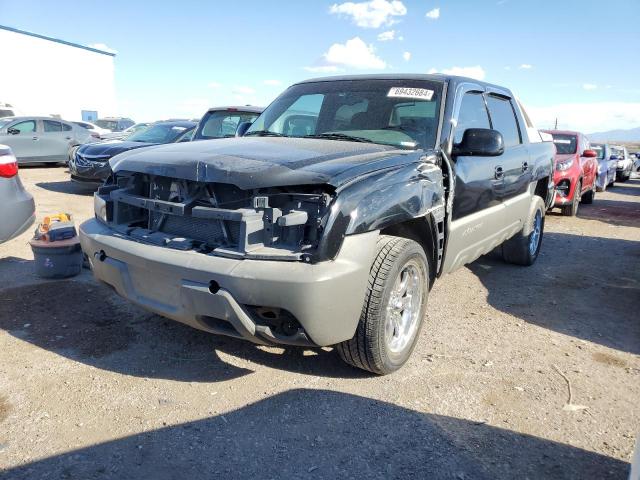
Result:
x=556 y=127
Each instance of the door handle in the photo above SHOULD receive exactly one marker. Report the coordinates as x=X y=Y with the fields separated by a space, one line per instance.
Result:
x=499 y=172
x=35 y=138
x=68 y=138
x=525 y=166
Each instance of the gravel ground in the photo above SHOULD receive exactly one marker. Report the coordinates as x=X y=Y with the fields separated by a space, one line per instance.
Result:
x=92 y=387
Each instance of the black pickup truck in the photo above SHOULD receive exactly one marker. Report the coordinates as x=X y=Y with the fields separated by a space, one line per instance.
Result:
x=327 y=220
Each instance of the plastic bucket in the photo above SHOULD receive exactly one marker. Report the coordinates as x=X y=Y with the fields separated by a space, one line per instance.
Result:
x=57 y=261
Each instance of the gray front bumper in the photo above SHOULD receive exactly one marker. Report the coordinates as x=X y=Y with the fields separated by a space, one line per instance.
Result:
x=325 y=298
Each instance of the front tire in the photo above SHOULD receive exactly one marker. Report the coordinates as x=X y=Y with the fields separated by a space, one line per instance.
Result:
x=588 y=197
x=394 y=307
x=572 y=209
x=524 y=247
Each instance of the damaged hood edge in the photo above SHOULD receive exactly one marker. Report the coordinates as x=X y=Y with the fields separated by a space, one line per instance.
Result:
x=264 y=162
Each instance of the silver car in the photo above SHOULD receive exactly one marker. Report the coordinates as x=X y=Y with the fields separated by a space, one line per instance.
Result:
x=41 y=139
x=17 y=204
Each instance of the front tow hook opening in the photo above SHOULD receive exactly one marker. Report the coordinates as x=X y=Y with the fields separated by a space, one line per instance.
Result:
x=214 y=286
x=100 y=255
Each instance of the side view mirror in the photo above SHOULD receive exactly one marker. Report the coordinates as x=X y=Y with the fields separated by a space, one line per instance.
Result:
x=614 y=157
x=242 y=128
x=589 y=153
x=480 y=142
x=13 y=131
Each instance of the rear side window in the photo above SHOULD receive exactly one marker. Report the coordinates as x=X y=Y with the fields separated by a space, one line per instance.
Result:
x=66 y=127
x=504 y=120
x=52 y=126
x=473 y=114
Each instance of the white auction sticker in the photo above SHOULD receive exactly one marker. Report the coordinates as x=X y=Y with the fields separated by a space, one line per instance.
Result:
x=409 y=92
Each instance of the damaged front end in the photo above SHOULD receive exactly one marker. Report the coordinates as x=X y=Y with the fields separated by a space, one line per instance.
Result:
x=219 y=219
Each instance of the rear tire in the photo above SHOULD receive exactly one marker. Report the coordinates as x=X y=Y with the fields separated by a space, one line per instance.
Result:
x=394 y=307
x=524 y=247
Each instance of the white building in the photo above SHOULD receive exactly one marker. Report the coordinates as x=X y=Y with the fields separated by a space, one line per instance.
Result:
x=48 y=76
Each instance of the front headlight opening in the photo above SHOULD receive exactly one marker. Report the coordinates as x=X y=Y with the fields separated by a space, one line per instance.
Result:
x=566 y=165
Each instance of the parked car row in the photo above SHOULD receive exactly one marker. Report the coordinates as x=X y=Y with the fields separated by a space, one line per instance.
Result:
x=89 y=163
x=581 y=169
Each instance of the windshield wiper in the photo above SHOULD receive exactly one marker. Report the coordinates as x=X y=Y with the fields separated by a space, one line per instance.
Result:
x=340 y=136
x=264 y=133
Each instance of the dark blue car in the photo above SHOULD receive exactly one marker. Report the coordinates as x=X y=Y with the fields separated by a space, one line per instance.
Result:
x=89 y=164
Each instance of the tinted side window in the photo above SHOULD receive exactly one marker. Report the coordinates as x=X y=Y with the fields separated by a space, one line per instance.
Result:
x=51 y=126
x=473 y=114
x=504 y=120
x=66 y=127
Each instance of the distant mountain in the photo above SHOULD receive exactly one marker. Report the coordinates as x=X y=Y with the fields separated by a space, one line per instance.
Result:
x=631 y=135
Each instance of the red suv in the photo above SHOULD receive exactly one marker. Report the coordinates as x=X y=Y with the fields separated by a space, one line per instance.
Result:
x=575 y=170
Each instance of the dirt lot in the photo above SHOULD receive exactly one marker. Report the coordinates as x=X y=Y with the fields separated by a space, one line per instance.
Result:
x=92 y=387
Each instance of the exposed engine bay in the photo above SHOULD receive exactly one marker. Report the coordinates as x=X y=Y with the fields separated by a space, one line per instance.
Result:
x=276 y=223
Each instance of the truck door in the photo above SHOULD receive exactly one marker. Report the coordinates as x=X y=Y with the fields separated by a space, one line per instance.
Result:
x=515 y=161
x=478 y=217
x=479 y=183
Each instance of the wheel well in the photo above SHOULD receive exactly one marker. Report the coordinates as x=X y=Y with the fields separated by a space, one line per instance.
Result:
x=541 y=188
x=423 y=231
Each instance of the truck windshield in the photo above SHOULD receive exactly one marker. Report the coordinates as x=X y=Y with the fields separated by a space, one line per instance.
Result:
x=565 y=143
x=400 y=113
x=599 y=149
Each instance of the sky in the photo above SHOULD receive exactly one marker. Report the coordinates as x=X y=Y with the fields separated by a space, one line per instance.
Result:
x=577 y=61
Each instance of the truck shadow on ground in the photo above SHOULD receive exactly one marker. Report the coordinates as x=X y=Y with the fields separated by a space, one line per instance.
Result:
x=67 y=187
x=586 y=287
x=323 y=434
x=87 y=322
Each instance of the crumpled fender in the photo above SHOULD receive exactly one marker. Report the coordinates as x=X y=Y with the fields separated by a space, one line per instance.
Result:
x=382 y=199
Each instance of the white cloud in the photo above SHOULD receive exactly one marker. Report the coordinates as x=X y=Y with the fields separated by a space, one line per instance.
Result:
x=386 y=36
x=406 y=56
x=525 y=66
x=372 y=14
x=589 y=86
x=242 y=90
x=433 y=14
x=400 y=38
x=273 y=83
x=353 y=53
x=103 y=47
x=476 y=72
x=322 y=69
x=214 y=85
x=587 y=117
